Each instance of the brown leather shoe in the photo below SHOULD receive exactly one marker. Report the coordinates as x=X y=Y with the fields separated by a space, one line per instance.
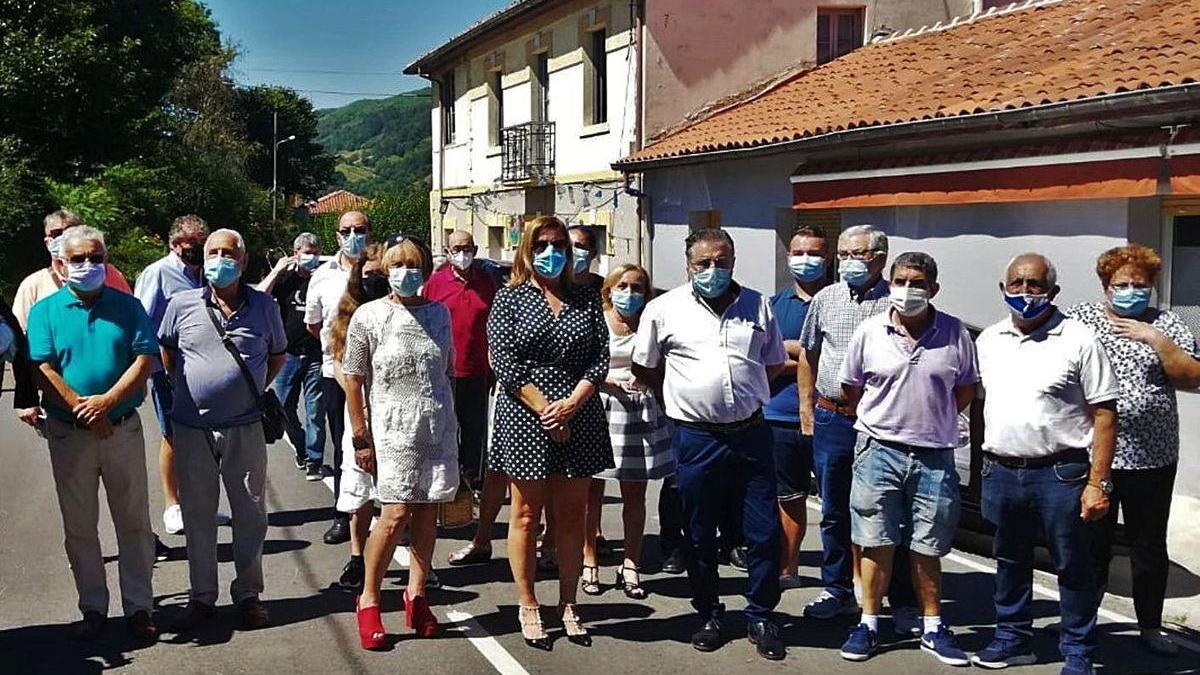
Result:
x=141 y=626
x=254 y=614
x=90 y=626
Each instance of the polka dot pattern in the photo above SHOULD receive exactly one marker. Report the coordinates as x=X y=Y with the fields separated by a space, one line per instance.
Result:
x=530 y=345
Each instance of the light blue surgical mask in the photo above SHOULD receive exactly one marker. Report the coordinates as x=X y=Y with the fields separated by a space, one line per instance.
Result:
x=353 y=244
x=806 y=267
x=854 y=272
x=309 y=261
x=627 y=303
x=221 y=271
x=405 y=281
x=55 y=247
x=1130 y=302
x=85 y=276
x=1028 y=306
x=712 y=282
x=580 y=259
x=550 y=262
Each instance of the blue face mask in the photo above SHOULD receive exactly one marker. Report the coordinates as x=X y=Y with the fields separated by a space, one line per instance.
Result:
x=221 y=271
x=854 y=272
x=85 y=277
x=405 y=281
x=806 y=267
x=1130 y=301
x=1027 y=306
x=712 y=282
x=309 y=261
x=353 y=244
x=55 y=247
x=550 y=262
x=627 y=303
x=580 y=259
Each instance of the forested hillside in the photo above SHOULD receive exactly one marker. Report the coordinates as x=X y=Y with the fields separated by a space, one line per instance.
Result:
x=382 y=145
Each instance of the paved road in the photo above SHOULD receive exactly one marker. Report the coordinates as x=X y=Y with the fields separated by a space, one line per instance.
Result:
x=314 y=628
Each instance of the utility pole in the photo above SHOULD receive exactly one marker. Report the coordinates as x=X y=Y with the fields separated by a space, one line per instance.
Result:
x=275 y=160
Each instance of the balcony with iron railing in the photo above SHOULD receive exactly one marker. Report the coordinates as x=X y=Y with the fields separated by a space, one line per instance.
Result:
x=527 y=153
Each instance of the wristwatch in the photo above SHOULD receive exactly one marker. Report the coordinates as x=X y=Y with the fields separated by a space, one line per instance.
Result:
x=1106 y=485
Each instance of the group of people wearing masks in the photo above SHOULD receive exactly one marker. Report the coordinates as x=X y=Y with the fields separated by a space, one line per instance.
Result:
x=734 y=399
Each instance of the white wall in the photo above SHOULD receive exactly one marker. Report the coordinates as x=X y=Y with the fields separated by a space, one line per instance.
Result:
x=973 y=242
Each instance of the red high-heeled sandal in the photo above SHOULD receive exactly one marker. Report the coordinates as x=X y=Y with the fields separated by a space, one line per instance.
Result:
x=418 y=616
x=370 y=627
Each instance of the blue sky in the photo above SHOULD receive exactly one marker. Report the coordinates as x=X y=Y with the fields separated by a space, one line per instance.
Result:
x=356 y=48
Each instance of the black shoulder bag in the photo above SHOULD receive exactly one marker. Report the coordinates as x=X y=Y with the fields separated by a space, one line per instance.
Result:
x=268 y=404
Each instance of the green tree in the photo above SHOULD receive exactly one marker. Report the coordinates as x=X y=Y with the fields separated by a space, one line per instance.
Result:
x=304 y=167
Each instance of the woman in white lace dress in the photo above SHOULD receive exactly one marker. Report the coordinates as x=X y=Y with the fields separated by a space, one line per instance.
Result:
x=401 y=346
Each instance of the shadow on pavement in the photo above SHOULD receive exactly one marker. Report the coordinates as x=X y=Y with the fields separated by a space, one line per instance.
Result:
x=51 y=648
x=299 y=517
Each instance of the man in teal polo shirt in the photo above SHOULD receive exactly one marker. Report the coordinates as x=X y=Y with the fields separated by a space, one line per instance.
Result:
x=94 y=348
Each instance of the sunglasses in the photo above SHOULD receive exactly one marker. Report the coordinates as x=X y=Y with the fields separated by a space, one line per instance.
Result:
x=362 y=229
x=560 y=244
x=95 y=259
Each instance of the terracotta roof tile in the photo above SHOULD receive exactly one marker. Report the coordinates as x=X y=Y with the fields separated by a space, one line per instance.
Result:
x=1048 y=53
x=339 y=202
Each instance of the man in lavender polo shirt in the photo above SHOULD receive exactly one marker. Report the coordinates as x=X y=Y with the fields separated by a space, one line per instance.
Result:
x=910 y=370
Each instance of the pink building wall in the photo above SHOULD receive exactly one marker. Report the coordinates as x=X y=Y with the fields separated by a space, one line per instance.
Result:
x=699 y=51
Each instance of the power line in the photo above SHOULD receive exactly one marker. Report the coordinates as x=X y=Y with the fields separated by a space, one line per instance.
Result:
x=408 y=94
x=322 y=72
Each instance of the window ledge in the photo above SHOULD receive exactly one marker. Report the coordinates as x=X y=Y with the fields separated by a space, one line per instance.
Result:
x=494 y=151
x=594 y=130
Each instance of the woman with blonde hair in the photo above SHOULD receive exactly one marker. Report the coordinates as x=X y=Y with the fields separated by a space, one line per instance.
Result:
x=549 y=346
x=639 y=430
x=398 y=368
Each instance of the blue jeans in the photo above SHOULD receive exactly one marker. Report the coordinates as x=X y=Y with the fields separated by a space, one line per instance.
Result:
x=1019 y=503
x=303 y=373
x=713 y=467
x=834 y=438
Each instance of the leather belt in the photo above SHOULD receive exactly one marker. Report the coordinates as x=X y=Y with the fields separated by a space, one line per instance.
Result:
x=834 y=406
x=726 y=427
x=1069 y=455
x=116 y=423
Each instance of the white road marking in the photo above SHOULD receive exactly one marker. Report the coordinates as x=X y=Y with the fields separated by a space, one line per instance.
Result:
x=487 y=646
x=1109 y=614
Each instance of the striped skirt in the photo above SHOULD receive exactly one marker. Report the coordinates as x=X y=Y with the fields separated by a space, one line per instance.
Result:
x=641 y=437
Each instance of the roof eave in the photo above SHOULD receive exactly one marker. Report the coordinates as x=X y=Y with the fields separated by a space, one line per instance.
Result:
x=427 y=64
x=1183 y=94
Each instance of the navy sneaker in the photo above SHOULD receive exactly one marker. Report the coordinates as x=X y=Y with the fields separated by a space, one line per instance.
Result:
x=1075 y=665
x=944 y=646
x=861 y=645
x=828 y=605
x=1002 y=654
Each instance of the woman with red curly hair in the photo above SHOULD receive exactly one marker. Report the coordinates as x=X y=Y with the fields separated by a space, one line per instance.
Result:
x=1154 y=354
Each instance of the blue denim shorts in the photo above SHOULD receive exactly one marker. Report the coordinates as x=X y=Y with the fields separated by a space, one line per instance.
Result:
x=904 y=497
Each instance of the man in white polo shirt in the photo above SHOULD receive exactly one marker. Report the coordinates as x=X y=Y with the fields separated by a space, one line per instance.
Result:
x=325 y=290
x=716 y=346
x=1050 y=396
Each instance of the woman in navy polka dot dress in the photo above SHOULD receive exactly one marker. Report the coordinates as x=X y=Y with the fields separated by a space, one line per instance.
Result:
x=549 y=348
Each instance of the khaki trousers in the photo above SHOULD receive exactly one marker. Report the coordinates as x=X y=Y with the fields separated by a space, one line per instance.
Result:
x=80 y=461
x=204 y=458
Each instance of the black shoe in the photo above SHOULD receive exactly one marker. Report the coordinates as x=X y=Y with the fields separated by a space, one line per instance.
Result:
x=301 y=461
x=675 y=563
x=765 y=636
x=338 y=532
x=91 y=626
x=253 y=613
x=352 y=575
x=161 y=551
x=737 y=558
x=141 y=627
x=708 y=638
x=313 y=472
x=197 y=615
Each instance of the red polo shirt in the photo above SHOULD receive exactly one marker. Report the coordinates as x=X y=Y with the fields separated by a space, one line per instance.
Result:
x=469 y=301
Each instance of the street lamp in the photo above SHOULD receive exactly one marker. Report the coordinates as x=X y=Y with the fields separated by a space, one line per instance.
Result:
x=275 y=161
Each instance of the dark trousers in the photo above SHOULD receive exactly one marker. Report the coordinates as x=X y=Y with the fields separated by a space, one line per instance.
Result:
x=834 y=438
x=333 y=401
x=708 y=464
x=1144 y=496
x=671 y=524
x=302 y=374
x=1019 y=503
x=470 y=404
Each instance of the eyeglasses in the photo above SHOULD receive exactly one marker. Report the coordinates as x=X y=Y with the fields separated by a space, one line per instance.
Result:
x=55 y=234
x=361 y=229
x=462 y=248
x=541 y=244
x=95 y=259
x=858 y=254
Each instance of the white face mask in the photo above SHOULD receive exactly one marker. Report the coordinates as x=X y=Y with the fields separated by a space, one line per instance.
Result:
x=909 y=300
x=462 y=260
